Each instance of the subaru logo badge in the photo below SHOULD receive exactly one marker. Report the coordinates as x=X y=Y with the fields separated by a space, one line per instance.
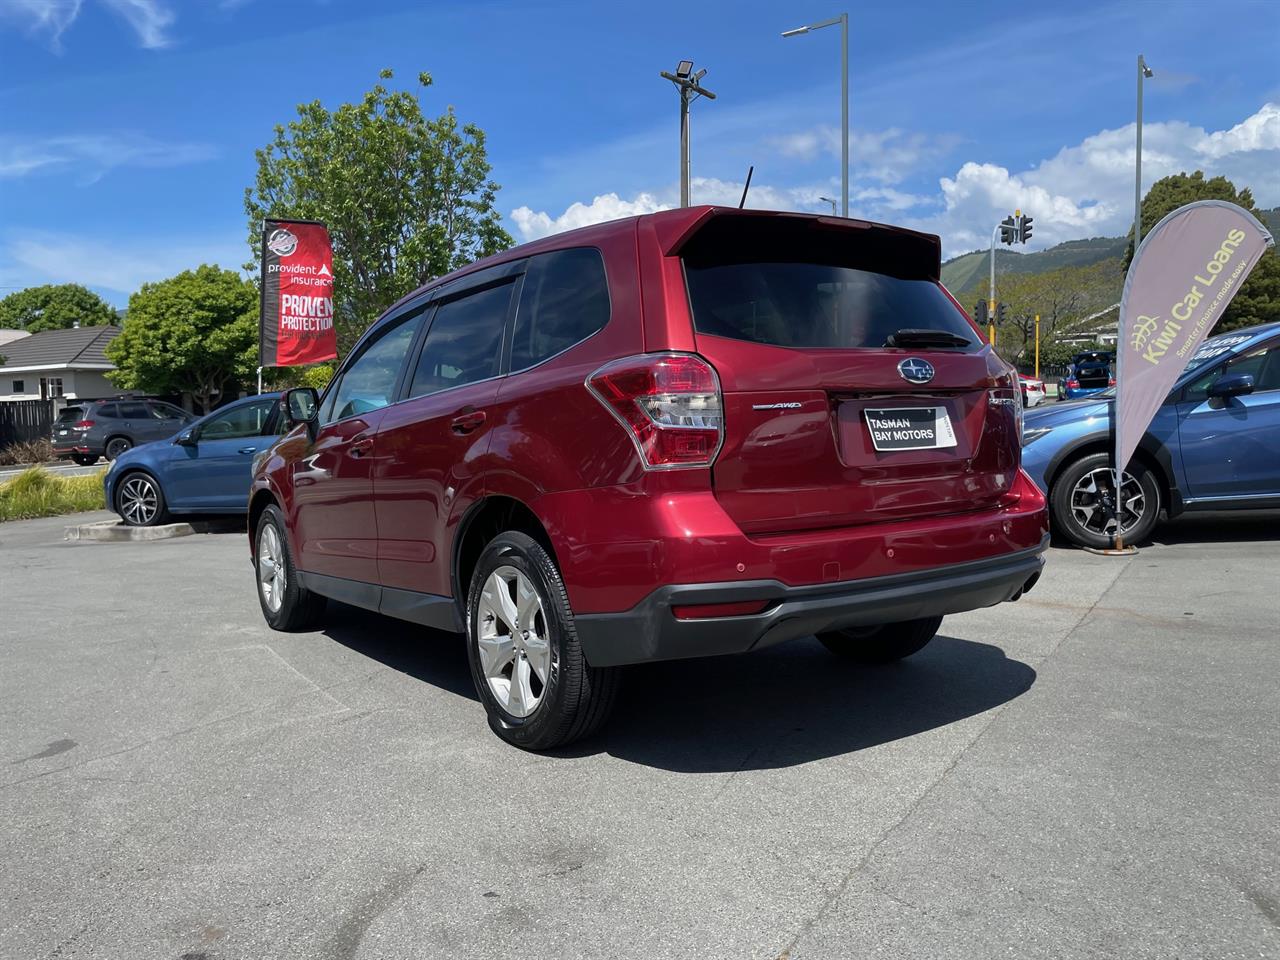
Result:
x=915 y=370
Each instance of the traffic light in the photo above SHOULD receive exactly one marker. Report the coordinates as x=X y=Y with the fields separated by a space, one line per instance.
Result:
x=980 y=312
x=1024 y=229
x=1008 y=230
x=1002 y=313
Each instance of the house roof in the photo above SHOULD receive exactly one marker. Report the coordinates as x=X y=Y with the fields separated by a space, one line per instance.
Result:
x=60 y=348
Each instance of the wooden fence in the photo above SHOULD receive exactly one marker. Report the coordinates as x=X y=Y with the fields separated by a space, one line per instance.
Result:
x=22 y=421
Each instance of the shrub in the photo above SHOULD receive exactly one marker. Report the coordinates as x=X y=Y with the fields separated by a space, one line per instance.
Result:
x=38 y=493
x=32 y=451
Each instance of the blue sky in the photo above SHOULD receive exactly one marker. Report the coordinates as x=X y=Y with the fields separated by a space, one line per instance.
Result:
x=127 y=127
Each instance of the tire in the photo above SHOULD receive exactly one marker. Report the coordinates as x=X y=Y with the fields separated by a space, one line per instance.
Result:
x=293 y=608
x=884 y=643
x=570 y=699
x=140 y=501
x=116 y=446
x=84 y=459
x=1081 y=516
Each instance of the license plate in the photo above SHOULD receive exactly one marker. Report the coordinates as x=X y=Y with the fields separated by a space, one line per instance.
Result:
x=910 y=428
x=62 y=433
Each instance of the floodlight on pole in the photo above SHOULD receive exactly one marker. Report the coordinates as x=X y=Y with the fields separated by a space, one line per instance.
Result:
x=843 y=21
x=689 y=85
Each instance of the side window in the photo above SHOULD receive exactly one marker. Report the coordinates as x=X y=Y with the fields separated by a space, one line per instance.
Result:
x=464 y=343
x=109 y=410
x=165 y=411
x=1263 y=362
x=134 y=411
x=565 y=300
x=368 y=384
x=249 y=420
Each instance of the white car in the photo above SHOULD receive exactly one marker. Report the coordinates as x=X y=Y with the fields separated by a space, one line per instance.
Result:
x=1033 y=392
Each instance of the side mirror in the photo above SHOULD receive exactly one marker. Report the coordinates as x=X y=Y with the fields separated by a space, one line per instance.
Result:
x=302 y=405
x=1231 y=385
x=187 y=438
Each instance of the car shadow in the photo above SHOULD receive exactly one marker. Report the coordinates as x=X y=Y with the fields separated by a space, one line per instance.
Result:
x=1223 y=527
x=787 y=705
x=796 y=703
x=432 y=656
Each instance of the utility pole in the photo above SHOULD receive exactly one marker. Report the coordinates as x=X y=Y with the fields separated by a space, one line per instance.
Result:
x=1037 y=346
x=687 y=82
x=1143 y=72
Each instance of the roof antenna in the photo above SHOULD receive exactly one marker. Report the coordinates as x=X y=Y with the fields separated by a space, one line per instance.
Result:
x=746 y=187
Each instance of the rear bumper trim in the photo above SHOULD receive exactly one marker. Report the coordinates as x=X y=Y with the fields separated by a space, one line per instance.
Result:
x=649 y=631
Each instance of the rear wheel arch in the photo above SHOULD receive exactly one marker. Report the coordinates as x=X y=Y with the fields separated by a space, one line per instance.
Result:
x=482 y=522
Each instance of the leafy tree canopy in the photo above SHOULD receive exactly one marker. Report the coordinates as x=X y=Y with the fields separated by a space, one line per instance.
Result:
x=1258 y=300
x=406 y=198
x=189 y=334
x=1063 y=298
x=54 y=307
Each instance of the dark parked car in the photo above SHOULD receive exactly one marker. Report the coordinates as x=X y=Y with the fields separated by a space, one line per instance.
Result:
x=702 y=431
x=205 y=468
x=91 y=429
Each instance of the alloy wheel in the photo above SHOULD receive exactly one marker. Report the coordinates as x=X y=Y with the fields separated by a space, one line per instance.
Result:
x=139 y=500
x=272 y=579
x=511 y=634
x=1096 y=508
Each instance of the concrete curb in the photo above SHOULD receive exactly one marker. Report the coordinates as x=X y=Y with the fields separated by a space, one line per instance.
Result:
x=113 y=531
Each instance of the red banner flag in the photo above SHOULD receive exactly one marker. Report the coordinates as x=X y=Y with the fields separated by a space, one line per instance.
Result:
x=296 y=324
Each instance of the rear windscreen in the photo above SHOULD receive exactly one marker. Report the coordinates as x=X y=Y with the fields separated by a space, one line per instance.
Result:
x=71 y=413
x=815 y=305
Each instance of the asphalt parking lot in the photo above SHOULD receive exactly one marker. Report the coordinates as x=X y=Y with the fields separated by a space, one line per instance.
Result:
x=1091 y=772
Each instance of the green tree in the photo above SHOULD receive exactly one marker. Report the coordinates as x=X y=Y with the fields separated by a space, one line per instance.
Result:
x=54 y=307
x=1258 y=299
x=406 y=198
x=192 y=333
x=1062 y=298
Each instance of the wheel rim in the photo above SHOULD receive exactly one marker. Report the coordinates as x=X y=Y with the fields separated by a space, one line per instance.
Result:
x=272 y=579
x=116 y=447
x=139 y=501
x=1094 y=503
x=511 y=634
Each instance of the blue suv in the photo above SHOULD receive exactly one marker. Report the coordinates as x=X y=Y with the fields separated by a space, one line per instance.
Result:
x=1213 y=445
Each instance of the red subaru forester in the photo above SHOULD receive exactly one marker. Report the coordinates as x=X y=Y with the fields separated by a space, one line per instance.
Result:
x=697 y=432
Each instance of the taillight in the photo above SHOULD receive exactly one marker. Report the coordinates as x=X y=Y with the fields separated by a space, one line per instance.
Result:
x=1111 y=382
x=670 y=404
x=83 y=425
x=1008 y=393
x=1073 y=384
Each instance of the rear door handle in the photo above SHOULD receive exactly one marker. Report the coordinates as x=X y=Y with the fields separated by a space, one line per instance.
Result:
x=360 y=446
x=466 y=422
x=247 y=449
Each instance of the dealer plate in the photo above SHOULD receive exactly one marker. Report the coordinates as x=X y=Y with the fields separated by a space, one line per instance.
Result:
x=910 y=428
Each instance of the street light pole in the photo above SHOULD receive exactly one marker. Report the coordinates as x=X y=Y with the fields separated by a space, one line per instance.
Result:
x=843 y=21
x=1143 y=72
x=687 y=82
x=830 y=201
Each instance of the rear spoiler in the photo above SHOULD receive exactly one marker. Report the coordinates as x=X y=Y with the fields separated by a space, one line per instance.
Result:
x=724 y=234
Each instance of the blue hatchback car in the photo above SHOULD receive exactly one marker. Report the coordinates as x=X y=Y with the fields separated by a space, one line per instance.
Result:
x=204 y=468
x=1213 y=445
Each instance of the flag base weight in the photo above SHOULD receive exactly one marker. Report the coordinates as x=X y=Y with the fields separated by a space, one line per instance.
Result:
x=1117 y=549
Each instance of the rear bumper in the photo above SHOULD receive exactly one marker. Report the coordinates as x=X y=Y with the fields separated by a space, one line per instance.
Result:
x=651 y=631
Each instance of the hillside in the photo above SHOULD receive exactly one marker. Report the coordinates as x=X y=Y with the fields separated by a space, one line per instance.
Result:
x=967 y=275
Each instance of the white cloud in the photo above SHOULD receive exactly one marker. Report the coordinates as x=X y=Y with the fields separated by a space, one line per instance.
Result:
x=150 y=19
x=91 y=156
x=1087 y=189
x=35 y=257
x=887 y=156
x=49 y=18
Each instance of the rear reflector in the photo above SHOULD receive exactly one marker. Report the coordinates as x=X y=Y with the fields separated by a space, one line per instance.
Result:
x=705 y=611
x=670 y=404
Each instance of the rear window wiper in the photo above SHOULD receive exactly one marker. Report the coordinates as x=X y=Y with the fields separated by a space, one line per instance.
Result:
x=914 y=337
